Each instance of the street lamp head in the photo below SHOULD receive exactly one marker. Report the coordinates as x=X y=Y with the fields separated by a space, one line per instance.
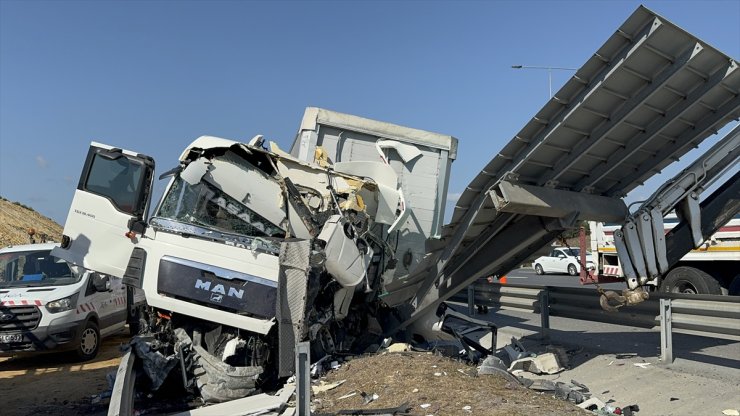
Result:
x=517 y=66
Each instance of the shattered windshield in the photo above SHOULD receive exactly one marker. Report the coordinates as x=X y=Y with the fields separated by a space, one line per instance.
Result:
x=204 y=205
x=34 y=268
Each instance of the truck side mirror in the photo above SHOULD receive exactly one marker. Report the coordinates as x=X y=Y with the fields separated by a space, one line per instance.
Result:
x=101 y=283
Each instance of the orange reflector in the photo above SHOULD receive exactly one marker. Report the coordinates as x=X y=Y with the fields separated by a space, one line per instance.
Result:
x=502 y=280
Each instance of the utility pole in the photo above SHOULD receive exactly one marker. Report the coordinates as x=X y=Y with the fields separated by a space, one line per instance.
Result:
x=549 y=71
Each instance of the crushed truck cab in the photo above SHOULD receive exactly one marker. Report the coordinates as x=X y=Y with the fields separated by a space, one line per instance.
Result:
x=257 y=247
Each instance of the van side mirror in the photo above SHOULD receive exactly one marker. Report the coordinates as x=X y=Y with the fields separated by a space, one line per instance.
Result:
x=101 y=283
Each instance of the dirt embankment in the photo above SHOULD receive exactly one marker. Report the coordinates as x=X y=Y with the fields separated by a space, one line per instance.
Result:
x=16 y=219
x=56 y=383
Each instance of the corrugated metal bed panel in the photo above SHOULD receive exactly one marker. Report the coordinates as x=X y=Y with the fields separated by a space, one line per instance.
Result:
x=647 y=96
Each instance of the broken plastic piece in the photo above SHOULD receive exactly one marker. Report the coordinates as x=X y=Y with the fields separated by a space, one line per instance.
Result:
x=592 y=404
x=546 y=363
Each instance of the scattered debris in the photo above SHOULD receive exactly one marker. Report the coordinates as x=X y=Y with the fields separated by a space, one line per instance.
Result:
x=592 y=404
x=731 y=412
x=346 y=396
x=425 y=405
x=641 y=365
x=673 y=399
x=324 y=386
x=399 y=347
x=402 y=409
x=560 y=353
x=546 y=363
x=494 y=365
x=626 y=355
x=369 y=398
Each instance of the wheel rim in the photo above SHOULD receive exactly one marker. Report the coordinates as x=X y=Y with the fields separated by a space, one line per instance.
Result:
x=89 y=341
x=538 y=269
x=685 y=287
x=572 y=270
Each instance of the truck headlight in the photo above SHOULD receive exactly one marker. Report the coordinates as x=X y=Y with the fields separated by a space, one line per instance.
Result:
x=63 y=304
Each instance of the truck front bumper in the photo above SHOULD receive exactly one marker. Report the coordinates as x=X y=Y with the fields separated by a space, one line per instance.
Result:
x=55 y=337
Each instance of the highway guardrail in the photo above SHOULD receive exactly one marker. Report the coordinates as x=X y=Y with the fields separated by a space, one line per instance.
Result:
x=705 y=315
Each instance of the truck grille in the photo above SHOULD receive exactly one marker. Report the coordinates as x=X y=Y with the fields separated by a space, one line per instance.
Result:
x=18 y=318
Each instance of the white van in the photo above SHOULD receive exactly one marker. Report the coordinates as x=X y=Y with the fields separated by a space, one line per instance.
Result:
x=47 y=304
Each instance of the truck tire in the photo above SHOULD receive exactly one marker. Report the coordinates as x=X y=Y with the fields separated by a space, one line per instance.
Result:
x=572 y=270
x=690 y=280
x=89 y=342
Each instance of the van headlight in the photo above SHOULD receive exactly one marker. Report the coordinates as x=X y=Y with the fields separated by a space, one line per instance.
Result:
x=63 y=304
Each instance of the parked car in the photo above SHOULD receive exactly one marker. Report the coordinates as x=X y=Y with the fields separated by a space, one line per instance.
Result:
x=46 y=304
x=562 y=260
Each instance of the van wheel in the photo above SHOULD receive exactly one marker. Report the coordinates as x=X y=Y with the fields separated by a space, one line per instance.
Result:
x=89 y=342
x=572 y=270
x=691 y=281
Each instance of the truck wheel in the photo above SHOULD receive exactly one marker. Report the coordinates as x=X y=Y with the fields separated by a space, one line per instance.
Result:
x=690 y=280
x=89 y=342
x=572 y=270
x=538 y=269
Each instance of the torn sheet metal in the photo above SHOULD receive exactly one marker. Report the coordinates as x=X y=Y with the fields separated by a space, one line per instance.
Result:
x=230 y=172
x=216 y=380
x=155 y=365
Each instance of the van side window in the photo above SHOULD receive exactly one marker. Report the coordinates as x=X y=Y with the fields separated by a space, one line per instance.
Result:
x=116 y=179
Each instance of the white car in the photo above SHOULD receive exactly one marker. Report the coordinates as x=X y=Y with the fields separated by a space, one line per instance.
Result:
x=562 y=260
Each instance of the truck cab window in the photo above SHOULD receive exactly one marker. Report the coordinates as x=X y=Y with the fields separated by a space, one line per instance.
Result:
x=116 y=179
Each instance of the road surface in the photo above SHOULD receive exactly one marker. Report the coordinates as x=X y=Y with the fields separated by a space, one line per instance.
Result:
x=527 y=276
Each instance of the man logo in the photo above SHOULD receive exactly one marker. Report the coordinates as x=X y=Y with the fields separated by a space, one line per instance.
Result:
x=219 y=289
x=215 y=297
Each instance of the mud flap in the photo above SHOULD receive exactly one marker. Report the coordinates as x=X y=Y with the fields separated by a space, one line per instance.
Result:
x=291 y=301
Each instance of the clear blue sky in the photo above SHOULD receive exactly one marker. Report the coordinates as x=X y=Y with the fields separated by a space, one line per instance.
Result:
x=153 y=76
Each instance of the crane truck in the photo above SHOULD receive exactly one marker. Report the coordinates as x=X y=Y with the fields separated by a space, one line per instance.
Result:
x=339 y=241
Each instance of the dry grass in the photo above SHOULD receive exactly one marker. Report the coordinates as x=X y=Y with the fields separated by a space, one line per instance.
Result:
x=395 y=376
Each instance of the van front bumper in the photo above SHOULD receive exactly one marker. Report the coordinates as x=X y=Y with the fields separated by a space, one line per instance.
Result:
x=55 y=337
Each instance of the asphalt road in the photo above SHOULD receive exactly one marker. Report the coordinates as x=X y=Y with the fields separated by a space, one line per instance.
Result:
x=527 y=276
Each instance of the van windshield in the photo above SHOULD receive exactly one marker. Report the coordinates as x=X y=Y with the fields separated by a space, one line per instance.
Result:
x=35 y=268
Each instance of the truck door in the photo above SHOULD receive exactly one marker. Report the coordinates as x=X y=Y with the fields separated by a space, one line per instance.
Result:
x=108 y=209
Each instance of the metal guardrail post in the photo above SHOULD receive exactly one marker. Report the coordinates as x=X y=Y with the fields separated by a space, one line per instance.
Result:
x=303 y=378
x=544 y=298
x=471 y=300
x=666 y=332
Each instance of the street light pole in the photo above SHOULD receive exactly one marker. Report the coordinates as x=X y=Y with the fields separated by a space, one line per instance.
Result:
x=549 y=71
